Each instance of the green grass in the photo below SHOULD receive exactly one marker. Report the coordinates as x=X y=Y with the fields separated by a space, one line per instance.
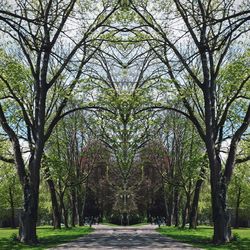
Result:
x=201 y=237
x=48 y=237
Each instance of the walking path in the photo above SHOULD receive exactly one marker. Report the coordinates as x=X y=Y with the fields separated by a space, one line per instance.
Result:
x=138 y=237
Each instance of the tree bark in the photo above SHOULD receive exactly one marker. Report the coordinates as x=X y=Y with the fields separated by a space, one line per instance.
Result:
x=221 y=216
x=73 y=207
x=81 y=198
x=170 y=212
x=176 y=207
x=186 y=211
x=64 y=212
x=195 y=203
x=55 y=206
x=65 y=215
x=236 y=224
x=165 y=203
x=29 y=181
x=170 y=206
x=12 y=207
x=28 y=217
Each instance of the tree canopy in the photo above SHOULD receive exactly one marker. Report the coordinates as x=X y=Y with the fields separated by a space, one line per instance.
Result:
x=117 y=97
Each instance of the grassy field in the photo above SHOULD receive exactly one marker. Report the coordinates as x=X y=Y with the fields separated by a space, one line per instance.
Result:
x=48 y=237
x=202 y=236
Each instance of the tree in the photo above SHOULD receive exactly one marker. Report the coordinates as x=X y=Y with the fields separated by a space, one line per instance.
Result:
x=196 y=57
x=72 y=154
x=51 y=48
x=239 y=186
x=124 y=61
x=122 y=124
x=178 y=156
x=54 y=200
x=10 y=188
x=196 y=197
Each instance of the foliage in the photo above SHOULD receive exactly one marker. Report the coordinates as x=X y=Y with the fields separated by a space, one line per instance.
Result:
x=9 y=183
x=10 y=188
x=241 y=180
x=109 y=96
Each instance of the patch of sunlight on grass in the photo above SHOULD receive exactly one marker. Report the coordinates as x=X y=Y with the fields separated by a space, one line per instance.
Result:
x=201 y=237
x=48 y=237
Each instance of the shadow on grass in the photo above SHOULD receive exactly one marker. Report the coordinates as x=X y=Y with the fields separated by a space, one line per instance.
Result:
x=51 y=239
x=202 y=238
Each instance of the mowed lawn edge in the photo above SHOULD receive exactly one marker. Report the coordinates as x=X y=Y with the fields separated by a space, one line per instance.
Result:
x=47 y=236
x=202 y=237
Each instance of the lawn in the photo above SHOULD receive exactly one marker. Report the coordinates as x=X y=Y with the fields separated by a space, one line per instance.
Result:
x=201 y=237
x=48 y=237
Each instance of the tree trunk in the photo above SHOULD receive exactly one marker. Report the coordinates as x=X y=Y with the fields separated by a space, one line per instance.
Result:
x=165 y=203
x=195 y=203
x=73 y=207
x=30 y=181
x=186 y=211
x=12 y=207
x=176 y=207
x=28 y=217
x=170 y=208
x=55 y=206
x=236 y=225
x=171 y=201
x=64 y=212
x=65 y=215
x=81 y=216
x=81 y=198
x=221 y=217
x=218 y=181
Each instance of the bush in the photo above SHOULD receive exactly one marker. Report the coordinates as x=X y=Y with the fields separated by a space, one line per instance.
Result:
x=236 y=237
x=14 y=237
